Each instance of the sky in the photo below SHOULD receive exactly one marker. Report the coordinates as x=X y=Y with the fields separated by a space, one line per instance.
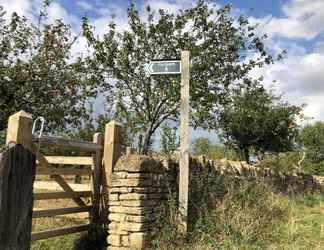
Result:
x=292 y=25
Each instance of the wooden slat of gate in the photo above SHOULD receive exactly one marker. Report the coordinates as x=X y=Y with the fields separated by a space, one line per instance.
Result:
x=58 y=232
x=61 y=195
x=69 y=160
x=62 y=171
x=83 y=146
x=60 y=211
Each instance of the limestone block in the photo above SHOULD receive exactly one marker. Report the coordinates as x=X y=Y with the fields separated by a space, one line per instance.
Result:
x=128 y=226
x=118 y=190
x=139 y=163
x=138 y=175
x=138 y=219
x=114 y=240
x=130 y=210
x=114 y=203
x=118 y=248
x=117 y=232
x=125 y=241
x=119 y=175
x=114 y=226
x=117 y=217
x=137 y=240
x=131 y=183
x=133 y=227
x=113 y=197
x=139 y=203
x=144 y=190
x=133 y=196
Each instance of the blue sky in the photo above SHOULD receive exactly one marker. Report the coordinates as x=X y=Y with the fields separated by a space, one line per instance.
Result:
x=293 y=25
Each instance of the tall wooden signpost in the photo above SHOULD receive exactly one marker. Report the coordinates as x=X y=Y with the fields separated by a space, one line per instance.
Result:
x=179 y=67
x=184 y=140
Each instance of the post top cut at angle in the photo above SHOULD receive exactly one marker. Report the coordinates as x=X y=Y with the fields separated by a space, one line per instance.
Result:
x=163 y=67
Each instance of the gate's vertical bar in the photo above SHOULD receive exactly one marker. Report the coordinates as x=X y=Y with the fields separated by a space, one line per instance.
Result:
x=96 y=178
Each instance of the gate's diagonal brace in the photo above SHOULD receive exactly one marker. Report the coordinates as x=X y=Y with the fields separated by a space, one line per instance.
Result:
x=60 y=180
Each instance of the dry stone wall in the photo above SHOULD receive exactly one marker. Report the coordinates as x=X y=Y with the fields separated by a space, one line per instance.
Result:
x=298 y=182
x=139 y=185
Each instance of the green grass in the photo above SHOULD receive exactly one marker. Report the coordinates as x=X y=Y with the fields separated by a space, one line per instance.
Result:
x=63 y=242
x=43 y=224
x=305 y=227
x=247 y=216
x=58 y=243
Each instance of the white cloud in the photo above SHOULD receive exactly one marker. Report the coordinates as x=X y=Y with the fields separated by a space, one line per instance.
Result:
x=319 y=47
x=300 y=78
x=170 y=6
x=303 y=19
x=84 y=5
x=27 y=8
x=31 y=9
x=56 y=11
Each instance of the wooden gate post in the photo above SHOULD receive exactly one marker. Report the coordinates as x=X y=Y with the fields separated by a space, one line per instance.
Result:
x=96 y=178
x=112 y=152
x=112 y=148
x=17 y=175
x=19 y=129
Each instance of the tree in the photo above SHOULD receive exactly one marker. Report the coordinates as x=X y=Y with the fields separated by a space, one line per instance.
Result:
x=220 y=151
x=38 y=73
x=2 y=138
x=217 y=42
x=312 y=138
x=257 y=119
x=201 y=146
x=169 y=140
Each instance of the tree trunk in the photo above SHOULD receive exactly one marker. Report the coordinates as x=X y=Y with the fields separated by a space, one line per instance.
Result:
x=246 y=155
x=146 y=142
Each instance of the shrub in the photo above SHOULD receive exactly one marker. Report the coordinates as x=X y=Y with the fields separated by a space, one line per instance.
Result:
x=94 y=239
x=225 y=213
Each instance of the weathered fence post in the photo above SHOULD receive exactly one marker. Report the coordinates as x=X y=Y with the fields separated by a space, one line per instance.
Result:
x=96 y=178
x=17 y=175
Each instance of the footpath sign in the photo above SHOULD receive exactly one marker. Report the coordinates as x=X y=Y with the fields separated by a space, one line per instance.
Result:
x=165 y=67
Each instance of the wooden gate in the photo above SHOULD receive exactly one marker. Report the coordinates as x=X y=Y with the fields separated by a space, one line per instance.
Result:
x=94 y=163
x=98 y=152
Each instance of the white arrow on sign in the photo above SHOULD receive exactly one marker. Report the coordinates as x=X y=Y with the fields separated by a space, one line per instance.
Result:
x=163 y=67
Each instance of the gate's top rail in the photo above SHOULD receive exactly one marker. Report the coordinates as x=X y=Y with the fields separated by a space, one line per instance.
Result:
x=68 y=143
